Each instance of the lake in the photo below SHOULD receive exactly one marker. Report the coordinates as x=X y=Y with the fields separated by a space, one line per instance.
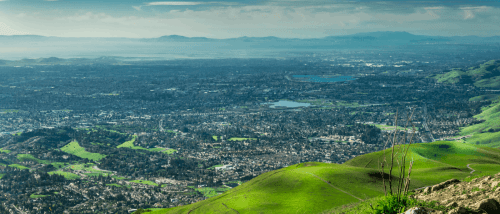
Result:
x=288 y=104
x=315 y=78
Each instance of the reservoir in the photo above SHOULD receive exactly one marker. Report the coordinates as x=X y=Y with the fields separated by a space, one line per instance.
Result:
x=287 y=104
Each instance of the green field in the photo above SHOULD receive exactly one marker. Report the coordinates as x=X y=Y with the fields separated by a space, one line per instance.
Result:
x=25 y=157
x=1 y=176
x=38 y=196
x=85 y=167
x=67 y=175
x=97 y=174
x=17 y=134
x=9 y=110
x=75 y=149
x=386 y=127
x=213 y=167
x=240 y=139
x=299 y=189
x=170 y=151
x=145 y=182
x=18 y=166
x=157 y=149
x=130 y=144
x=118 y=177
x=115 y=185
x=347 y=104
x=58 y=165
x=4 y=150
x=215 y=137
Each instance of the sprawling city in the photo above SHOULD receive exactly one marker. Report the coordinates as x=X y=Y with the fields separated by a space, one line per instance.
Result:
x=117 y=137
x=249 y=107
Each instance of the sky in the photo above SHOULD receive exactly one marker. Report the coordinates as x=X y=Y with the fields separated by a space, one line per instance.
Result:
x=254 y=18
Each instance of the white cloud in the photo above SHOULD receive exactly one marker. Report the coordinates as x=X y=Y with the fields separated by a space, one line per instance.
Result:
x=261 y=20
x=468 y=14
x=7 y=30
x=137 y=8
x=173 y=3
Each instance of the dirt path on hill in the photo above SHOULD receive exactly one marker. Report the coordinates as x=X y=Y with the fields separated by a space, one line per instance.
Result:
x=470 y=168
x=335 y=187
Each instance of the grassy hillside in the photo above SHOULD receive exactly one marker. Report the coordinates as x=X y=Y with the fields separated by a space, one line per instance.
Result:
x=75 y=149
x=490 y=97
x=486 y=75
x=303 y=188
x=450 y=77
x=486 y=133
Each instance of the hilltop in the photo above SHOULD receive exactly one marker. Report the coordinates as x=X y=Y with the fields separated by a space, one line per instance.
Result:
x=320 y=187
x=486 y=75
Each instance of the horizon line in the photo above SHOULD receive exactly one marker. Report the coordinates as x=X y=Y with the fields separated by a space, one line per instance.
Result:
x=251 y=36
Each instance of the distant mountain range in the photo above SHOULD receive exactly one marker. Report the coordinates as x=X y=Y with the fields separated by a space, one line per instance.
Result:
x=371 y=36
x=34 y=46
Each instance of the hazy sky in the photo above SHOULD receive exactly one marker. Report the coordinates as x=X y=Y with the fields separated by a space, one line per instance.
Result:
x=236 y=18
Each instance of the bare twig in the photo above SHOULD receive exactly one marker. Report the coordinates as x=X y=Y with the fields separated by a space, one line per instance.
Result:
x=403 y=143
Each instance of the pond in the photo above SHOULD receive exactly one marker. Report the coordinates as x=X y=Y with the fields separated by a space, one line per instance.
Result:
x=287 y=104
x=315 y=78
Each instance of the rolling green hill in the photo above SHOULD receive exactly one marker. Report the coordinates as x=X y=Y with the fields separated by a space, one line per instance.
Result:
x=486 y=75
x=486 y=133
x=321 y=187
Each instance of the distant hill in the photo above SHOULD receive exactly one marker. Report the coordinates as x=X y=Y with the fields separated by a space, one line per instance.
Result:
x=487 y=75
x=303 y=188
x=34 y=46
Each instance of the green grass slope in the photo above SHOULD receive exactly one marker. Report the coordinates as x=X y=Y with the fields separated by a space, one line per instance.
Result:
x=486 y=133
x=486 y=75
x=302 y=188
x=130 y=144
x=490 y=97
x=450 y=77
x=439 y=161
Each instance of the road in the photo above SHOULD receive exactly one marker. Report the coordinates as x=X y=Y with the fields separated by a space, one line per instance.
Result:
x=20 y=211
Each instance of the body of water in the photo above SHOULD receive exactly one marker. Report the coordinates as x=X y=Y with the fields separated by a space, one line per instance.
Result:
x=315 y=78
x=287 y=104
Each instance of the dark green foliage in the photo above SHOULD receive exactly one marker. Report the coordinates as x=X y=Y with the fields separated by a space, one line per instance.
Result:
x=391 y=204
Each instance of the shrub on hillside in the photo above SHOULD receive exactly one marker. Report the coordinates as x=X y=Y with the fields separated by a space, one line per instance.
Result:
x=391 y=204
